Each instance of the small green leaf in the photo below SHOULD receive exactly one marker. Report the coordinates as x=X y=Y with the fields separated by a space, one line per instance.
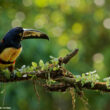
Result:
x=54 y=68
x=18 y=74
x=41 y=63
x=46 y=65
x=34 y=64
x=78 y=78
x=92 y=84
x=83 y=75
x=51 y=57
x=23 y=66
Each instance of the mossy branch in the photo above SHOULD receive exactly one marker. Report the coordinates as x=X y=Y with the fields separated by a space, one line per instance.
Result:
x=59 y=78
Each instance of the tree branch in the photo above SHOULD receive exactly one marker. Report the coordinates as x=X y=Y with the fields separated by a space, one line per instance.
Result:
x=62 y=76
x=68 y=57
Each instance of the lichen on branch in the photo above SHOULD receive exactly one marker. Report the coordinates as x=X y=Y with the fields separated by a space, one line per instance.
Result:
x=56 y=77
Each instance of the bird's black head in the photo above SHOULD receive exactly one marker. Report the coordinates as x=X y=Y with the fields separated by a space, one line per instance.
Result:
x=15 y=35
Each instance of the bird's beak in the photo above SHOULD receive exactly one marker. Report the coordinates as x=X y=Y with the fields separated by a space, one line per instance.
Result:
x=33 y=34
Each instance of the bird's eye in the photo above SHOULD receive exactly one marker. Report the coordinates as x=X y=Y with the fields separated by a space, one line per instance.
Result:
x=20 y=34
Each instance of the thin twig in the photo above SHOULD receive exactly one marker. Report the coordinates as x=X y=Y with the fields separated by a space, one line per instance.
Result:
x=68 y=57
x=73 y=97
x=37 y=94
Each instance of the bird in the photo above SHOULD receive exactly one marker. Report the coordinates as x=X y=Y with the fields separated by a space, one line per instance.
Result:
x=10 y=46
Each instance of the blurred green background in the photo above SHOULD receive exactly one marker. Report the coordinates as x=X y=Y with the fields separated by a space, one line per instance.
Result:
x=70 y=24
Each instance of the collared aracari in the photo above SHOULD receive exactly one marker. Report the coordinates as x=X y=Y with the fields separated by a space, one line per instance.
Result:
x=10 y=46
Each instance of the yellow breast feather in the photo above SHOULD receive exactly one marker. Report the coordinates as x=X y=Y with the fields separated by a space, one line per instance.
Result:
x=10 y=54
